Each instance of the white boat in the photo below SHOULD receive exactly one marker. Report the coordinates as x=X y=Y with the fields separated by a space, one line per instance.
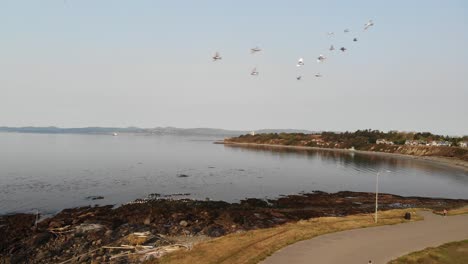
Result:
x=114 y=134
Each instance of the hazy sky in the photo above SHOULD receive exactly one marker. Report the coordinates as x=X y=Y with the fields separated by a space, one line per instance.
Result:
x=148 y=63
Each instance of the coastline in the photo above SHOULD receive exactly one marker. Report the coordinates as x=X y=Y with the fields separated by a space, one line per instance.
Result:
x=95 y=234
x=449 y=162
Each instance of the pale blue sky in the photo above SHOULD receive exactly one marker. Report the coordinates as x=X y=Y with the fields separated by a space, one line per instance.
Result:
x=81 y=63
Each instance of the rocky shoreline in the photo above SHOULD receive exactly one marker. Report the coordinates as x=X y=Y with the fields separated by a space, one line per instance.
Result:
x=146 y=229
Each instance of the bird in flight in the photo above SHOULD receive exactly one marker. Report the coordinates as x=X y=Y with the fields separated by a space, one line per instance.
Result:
x=255 y=50
x=321 y=58
x=368 y=24
x=254 y=72
x=299 y=78
x=217 y=57
x=343 y=49
x=318 y=75
x=300 y=62
x=332 y=48
x=346 y=30
x=331 y=34
x=354 y=39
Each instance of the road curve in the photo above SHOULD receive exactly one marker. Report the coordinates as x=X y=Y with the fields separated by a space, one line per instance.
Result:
x=379 y=244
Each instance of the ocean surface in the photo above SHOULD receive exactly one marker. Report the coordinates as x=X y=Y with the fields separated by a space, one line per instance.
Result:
x=50 y=172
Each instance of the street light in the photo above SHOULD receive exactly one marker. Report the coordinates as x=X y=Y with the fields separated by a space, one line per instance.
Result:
x=377 y=194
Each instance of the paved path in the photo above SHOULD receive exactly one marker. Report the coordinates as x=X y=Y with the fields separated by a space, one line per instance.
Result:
x=379 y=244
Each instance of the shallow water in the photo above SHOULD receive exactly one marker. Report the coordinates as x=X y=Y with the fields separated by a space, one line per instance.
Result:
x=50 y=172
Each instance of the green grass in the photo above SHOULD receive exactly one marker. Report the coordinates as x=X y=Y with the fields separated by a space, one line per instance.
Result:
x=450 y=253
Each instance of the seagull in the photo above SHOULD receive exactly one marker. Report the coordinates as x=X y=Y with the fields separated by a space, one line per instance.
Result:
x=300 y=62
x=368 y=24
x=354 y=39
x=343 y=49
x=318 y=75
x=330 y=34
x=332 y=48
x=299 y=78
x=254 y=72
x=321 y=58
x=254 y=50
x=346 y=30
x=217 y=57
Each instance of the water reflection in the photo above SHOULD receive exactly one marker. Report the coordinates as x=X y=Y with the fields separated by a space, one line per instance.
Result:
x=372 y=162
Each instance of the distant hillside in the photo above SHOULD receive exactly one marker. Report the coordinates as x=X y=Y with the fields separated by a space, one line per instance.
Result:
x=155 y=131
x=110 y=130
x=195 y=131
x=82 y=130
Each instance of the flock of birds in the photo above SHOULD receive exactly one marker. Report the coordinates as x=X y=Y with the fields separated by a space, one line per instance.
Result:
x=300 y=62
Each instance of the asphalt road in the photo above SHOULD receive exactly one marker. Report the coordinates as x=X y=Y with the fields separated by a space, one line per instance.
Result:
x=379 y=244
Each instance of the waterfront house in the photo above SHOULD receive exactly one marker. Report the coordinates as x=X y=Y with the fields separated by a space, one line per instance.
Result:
x=463 y=144
x=441 y=143
x=415 y=142
x=445 y=143
x=384 y=141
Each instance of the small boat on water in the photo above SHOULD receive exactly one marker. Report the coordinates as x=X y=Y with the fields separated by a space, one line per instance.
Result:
x=114 y=134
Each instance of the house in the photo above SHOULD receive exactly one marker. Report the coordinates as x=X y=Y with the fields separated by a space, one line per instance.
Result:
x=441 y=143
x=416 y=142
x=383 y=141
x=445 y=143
x=463 y=144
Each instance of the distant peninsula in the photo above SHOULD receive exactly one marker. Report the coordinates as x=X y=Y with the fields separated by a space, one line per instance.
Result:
x=451 y=150
x=137 y=130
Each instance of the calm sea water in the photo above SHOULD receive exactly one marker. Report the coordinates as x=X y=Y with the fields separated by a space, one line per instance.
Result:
x=50 y=172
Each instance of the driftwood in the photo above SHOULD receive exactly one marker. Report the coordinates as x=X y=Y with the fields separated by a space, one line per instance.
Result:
x=123 y=254
x=145 y=252
x=60 y=230
x=121 y=247
x=161 y=251
x=76 y=257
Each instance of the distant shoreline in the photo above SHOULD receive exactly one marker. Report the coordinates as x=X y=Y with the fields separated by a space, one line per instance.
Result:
x=450 y=162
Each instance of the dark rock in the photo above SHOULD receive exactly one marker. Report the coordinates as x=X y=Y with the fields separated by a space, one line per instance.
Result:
x=41 y=254
x=215 y=231
x=18 y=258
x=56 y=224
x=108 y=233
x=254 y=202
x=41 y=239
x=196 y=230
x=94 y=197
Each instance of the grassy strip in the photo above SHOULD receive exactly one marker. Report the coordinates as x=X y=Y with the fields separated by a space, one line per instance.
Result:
x=459 y=211
x=450 y=253
x=254 y=246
